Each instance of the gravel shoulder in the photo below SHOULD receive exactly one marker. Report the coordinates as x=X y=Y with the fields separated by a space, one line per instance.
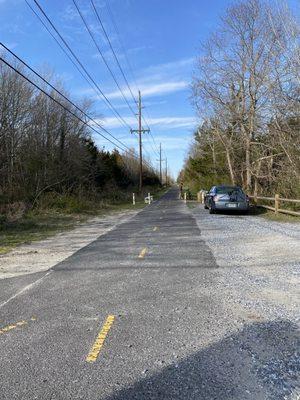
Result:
x=260 y=259
x=42 y=255
x=259 y=276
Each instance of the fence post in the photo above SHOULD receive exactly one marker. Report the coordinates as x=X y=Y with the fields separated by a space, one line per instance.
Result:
x=276 y=203
x=184 y=196
x=255 y=196
x=149 y=198
x=133 y=199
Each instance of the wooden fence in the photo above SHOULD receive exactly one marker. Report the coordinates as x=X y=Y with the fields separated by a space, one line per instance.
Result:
x=277 y=201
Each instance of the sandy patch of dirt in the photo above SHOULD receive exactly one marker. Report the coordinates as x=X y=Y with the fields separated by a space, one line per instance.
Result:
x=42 y=255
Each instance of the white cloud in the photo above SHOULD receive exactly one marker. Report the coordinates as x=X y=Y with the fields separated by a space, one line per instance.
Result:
x=174 y=143
x=155 y=80
x=161 y=123
x=154 y=89
x=175 y=67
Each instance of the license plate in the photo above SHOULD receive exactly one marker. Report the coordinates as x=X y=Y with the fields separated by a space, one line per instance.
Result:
x=231 y=205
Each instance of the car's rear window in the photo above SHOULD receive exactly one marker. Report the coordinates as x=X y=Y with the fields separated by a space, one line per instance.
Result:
x=228 y=189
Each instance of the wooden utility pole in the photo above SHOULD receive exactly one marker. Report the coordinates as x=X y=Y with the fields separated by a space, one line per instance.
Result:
x=166 y=172
x=140 y=130
x=160 y=162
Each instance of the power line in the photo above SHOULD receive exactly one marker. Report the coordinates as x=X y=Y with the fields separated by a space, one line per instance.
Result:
x=150 y=143
x=150 y=130
x=61 y=94
x=102 y=56
x=128 y=62
x=126 y=149
x=55 y=100
x=112 y=49
x=120 y=41
x=69 y=57
x=78 y=62
x=81 y=65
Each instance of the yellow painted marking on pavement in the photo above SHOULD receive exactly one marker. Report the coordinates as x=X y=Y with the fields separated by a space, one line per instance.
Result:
x=99 y=342
x=143 y=252
x=155 y=229
x=10 y=327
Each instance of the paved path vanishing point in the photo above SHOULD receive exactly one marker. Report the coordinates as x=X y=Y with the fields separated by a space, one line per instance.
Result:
x=140 y=314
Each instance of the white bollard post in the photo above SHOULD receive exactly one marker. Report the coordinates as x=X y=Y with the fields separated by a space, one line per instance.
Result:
x=184 y=196
x=133 y=199
x=149 y=198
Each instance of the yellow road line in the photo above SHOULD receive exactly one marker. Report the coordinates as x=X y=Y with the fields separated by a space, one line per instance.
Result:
x=15 y=325
x=99 y=342
x=155 y=229
x=143 y=252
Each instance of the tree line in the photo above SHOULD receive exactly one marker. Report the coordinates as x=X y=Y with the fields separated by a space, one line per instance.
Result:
x=44 y=149
x=246 y=92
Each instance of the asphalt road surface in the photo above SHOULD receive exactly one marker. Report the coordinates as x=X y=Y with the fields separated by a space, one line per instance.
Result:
x=136 y=314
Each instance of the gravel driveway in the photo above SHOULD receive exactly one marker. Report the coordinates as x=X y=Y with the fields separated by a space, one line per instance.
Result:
x=259 y=271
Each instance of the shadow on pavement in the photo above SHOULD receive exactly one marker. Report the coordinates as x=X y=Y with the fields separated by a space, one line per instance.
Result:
x=258 y=362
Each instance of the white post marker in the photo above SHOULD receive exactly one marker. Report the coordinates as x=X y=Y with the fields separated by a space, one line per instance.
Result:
x=133 y=199
x=149 y=198
x=184 y=196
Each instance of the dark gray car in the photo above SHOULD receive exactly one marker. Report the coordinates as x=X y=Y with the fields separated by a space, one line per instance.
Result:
x=225 y=198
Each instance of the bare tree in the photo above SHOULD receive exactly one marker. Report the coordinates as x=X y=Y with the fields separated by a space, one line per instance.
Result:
x=243 y=71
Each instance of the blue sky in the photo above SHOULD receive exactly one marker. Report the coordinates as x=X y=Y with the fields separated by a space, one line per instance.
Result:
x=161 y=38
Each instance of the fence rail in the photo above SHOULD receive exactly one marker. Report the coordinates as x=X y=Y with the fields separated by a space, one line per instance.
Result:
x=277 y=200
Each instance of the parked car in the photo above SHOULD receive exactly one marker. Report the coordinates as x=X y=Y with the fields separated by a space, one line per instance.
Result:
x=224 y=198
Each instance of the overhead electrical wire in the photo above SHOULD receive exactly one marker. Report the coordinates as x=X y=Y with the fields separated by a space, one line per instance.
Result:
x=87 y=123
x=61 y=94
x=55 y=100
x=120 y=42
x=155 y=150
x=126 y=57
x=87 y=77
x=113 y=51
x=76 y=58
x=108 y=102
x=102 y=56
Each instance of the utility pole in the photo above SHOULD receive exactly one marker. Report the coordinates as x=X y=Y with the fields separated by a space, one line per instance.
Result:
x=140 y=130
x=160 y=162
x=166 y=172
